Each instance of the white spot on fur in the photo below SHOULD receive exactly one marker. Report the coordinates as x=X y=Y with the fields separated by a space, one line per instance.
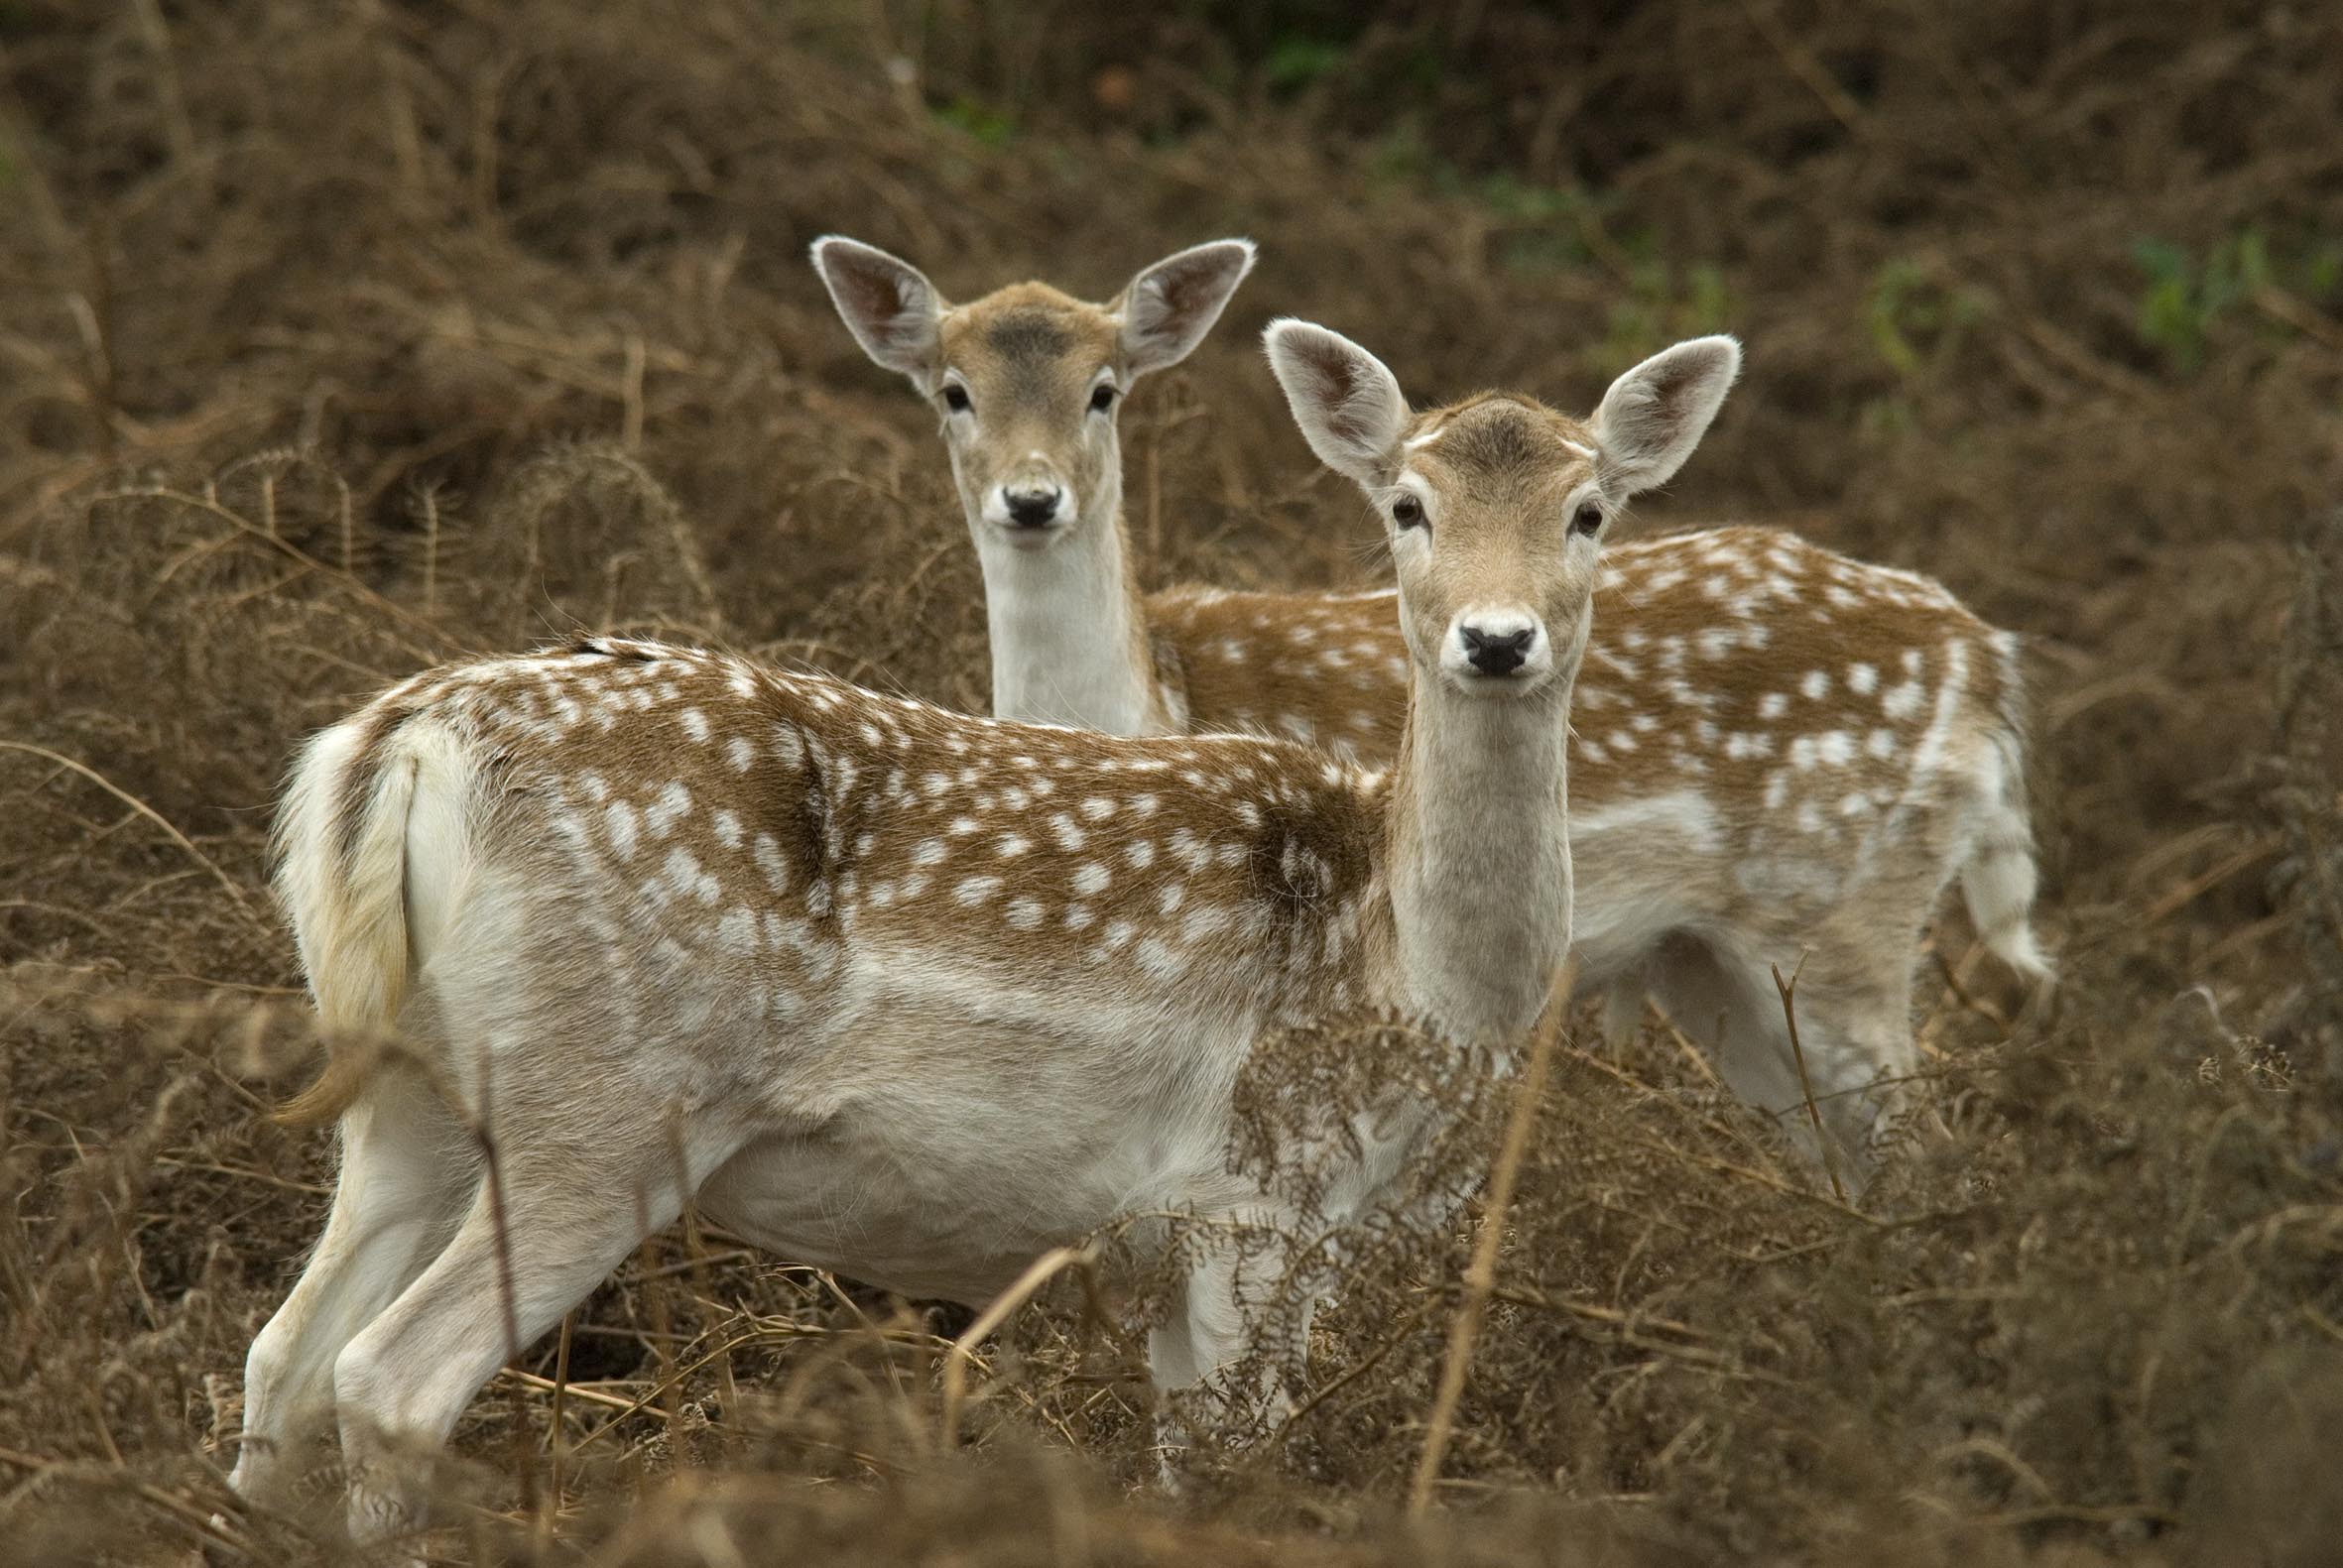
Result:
x=1188 y=849
x=619 y=820
x=770 y=865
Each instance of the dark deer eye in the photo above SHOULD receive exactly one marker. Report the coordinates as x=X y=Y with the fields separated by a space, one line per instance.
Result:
x=956 y=397
x=1408 y=512
x=1590 y=519
x=1102 y=398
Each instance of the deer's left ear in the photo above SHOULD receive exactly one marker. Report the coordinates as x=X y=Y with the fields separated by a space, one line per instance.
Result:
x=1654 y=415
x=1168 y=308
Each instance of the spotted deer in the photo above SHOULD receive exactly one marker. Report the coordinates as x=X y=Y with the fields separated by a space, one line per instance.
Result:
x=900 y=992
x=1781 y=757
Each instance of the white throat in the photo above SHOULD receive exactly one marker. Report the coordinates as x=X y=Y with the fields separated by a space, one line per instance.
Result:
x=1063 y=624
x=1481 y=864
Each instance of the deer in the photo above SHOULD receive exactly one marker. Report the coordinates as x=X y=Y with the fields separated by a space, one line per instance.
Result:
x=1783 y=758
x=899 y=992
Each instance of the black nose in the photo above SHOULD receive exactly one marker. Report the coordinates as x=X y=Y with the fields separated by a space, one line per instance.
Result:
x=1497 y=655
x=1032 y=508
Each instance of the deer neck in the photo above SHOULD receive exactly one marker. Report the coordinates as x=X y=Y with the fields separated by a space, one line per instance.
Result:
x=1068 y=635
x=1480 y=857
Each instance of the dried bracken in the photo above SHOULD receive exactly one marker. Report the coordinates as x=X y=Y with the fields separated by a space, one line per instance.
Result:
x=343 y=343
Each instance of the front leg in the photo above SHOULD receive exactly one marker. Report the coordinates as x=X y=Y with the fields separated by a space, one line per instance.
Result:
x=1241 y=1325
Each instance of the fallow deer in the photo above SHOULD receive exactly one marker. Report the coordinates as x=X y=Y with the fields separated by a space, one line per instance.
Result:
x=899 y=992
x=1781 y=756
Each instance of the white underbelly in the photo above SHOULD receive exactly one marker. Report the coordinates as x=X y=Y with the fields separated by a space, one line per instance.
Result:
x=980 y=1136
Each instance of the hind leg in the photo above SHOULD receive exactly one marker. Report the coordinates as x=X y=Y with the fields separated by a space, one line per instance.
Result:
x=571 y=1212
x=1851 y=1032
x=1726 y=1004
x=406 y=1173
x=1855 y=1028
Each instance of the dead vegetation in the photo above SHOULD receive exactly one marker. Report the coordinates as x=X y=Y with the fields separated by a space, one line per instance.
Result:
x=340 y=340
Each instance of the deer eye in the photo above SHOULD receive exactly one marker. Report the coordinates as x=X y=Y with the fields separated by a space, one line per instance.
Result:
x=956 y=397
x=1408 y=512
x=1590 y=519
x=1102 y=398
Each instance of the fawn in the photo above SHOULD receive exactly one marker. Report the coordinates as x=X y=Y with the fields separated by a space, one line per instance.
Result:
x=897 y=991
x=1781 y=757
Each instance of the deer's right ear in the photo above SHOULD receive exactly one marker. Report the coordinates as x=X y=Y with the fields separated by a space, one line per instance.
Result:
x=1346 y=401
x=888 y=305
x=1168 y=308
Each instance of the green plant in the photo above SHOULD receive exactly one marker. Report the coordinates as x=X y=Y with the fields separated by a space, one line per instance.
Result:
x=1915 y=319
x=1664 y=304
x=2182 y=299
x=993 y=127
x=1544 y=226
x=1298 y=63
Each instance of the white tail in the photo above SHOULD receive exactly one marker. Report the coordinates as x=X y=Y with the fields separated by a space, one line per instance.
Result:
x=1743 y=692
x=893 y=991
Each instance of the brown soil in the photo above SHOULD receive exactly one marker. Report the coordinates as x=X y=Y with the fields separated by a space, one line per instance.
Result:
x=336 y=340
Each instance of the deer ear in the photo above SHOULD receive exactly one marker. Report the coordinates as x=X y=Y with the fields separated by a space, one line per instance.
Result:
x=1346 y=401
x=1168 y=308
x=888 y=305
x=1654 y=415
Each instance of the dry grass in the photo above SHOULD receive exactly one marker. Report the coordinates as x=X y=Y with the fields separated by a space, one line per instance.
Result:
x=344 y=340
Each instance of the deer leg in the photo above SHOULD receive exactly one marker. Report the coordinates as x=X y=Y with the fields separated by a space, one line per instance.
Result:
x=406 y=1172
x=1856 y=1033
x=1727 y=1004
x=1237 y=1300
x=569 y=1215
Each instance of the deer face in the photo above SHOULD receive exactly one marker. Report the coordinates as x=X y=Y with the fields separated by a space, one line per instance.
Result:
x=1028 y=380
x=1495 y=507
x=1029 y=386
